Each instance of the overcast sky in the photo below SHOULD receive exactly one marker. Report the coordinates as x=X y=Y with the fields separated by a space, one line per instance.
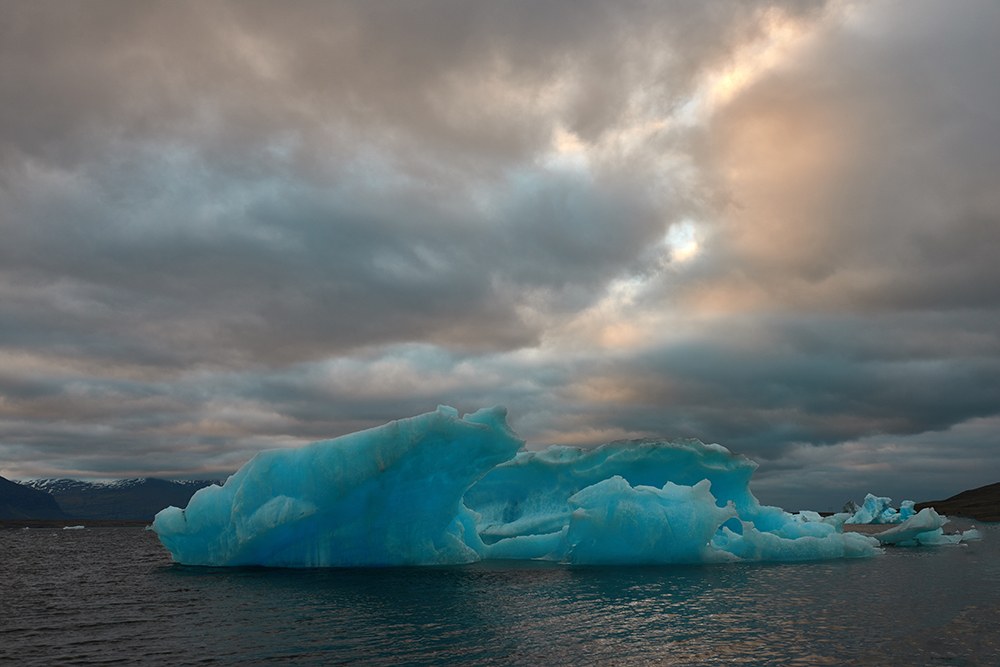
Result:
x=769 y=225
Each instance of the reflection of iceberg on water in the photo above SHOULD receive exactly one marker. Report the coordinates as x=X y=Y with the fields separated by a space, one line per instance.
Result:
x=439 y=489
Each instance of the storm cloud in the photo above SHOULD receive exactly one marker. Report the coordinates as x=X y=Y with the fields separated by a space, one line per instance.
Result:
x=231 y=226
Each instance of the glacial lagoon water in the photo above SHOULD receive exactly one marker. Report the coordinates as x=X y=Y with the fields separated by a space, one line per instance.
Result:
x=113 y=596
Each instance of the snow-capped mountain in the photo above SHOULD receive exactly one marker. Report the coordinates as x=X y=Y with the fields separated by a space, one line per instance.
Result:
x=132 y=499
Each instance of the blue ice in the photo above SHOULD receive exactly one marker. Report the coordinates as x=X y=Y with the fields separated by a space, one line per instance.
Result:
x=907 y=526
x=878 y=510
x=442 y=489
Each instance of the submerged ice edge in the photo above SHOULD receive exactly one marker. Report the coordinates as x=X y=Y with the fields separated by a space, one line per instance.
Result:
x=440 y=489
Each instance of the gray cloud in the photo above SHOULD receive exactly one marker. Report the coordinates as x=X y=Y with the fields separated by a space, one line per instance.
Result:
x=239 y=183
x=814 y=381
x=230 y=226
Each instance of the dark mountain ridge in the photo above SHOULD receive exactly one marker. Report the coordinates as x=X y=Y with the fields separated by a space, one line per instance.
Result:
x=18 y=501
x=981 y=504
x=128 y=499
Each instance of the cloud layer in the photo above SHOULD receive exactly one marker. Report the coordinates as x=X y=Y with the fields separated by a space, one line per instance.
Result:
x=230 y=226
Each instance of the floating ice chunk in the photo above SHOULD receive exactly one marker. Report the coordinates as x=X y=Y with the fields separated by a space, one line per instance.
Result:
x=869 y=512
x=438 y=489
x=530 y=508
x=73 y=527
x=614 y=522
x=807 y=516
x=879 y=510
x=837 y=520
x=391 y=495
x=531 y=494
x=923 y=522
x=925 y=527
x=971 y=534
x=756 y=545
x=932 y=538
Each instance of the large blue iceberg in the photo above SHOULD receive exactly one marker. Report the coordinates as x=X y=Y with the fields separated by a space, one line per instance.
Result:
x=439 y=489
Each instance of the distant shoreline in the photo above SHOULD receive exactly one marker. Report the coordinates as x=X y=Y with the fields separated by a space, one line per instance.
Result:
x=59 y=524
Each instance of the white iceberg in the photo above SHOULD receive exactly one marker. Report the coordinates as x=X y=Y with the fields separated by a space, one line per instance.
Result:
x=923 y=523
x=925 y=527
x=439 y=489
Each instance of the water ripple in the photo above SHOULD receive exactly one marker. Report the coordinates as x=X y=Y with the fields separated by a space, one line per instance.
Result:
x=112 y=596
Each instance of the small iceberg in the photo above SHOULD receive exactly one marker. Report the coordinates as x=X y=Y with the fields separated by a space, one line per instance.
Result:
x=73 y=527
x=925 y=527
x=909 y=528
x=879 y=510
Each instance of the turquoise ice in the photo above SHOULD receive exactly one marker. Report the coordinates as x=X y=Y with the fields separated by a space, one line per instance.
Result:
x=879 y=509
x=442 y=489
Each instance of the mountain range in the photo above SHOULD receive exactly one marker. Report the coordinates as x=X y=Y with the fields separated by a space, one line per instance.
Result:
x=122 y=500
x=18 y=501
x=982 y=504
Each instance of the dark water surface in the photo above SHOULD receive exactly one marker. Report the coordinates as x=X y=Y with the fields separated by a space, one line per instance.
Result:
x=112 y=596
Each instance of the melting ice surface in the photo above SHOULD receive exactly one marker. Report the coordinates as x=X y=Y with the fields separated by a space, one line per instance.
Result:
x=439 y=489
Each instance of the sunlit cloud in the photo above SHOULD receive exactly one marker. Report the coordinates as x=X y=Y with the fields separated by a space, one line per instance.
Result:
x=779 y=40
x=682 y=240
x=568 y=152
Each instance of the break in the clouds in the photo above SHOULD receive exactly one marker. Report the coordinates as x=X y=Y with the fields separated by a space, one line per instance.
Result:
x=772 y=225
